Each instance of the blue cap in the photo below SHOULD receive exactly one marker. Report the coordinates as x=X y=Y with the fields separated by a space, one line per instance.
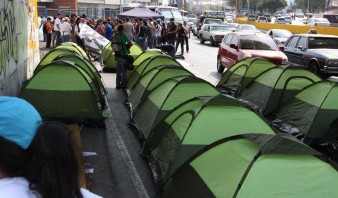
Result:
x=19 y=120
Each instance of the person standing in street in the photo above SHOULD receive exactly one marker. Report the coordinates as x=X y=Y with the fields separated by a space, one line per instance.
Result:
x=42 y=24
x=158 y=32
x=129 y=29
x=57 y=28
x=108 y=31
x=172 y=30
x=121 y=57
x=141 y=36
x=49 y=29
x=65 y=29
x=187 y=36
x=181 y=34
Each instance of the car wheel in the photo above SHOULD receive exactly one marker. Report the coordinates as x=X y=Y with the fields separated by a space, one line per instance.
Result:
x=212 y=42
x=220 y=67
x=201 y=39
x=314 y=68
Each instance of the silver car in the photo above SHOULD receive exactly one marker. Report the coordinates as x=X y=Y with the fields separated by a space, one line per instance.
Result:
x=214 y=33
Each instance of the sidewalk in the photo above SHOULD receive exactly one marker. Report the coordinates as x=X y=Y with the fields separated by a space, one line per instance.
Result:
x=118 y=169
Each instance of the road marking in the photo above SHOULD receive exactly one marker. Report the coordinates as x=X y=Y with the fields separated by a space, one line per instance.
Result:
x=115 y=135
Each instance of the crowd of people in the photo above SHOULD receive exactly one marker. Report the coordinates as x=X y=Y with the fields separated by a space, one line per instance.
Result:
x=146 y=32
x=38 y=159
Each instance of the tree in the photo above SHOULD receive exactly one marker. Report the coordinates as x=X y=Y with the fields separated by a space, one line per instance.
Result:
x=315 y=5
x=272 y=5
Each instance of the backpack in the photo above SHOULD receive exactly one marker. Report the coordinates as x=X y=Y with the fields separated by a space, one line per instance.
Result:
x=116 y=42
x=44 y=28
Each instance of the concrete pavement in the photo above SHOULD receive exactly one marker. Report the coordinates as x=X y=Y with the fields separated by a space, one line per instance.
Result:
x=118 y=169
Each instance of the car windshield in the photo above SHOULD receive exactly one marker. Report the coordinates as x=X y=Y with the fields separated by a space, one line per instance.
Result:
x=166 y=13
x=177 y=15
x=232 y=25
x=219 y=28
x=210 y=21
x=192 y=20
x=248 y=27
x=281 y=33
x=322 y=42
x=281 y=19
x=191 y=15
x=262 y=18
x=257 y=42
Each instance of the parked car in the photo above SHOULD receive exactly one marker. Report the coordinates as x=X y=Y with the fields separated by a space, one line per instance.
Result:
x=288 y=19
x=280 y=36
x=237 y=46
x=233 y=26
x=299 y=15
x=251 y=18
x=318 y=22
x=246 y=27
x=280 y=20
x=214 y=33
x=318 y=53
x=262 y=19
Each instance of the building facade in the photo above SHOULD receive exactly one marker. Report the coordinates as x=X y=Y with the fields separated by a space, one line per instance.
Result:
x=92 y=8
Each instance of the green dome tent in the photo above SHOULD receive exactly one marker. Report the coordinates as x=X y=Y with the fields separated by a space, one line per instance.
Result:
x=75 y=47
x=166 y=97
x=195 y=124
x=57 y=52
x=109 y=61
x=311 y=113
x=87 y=66
x=146 y=54
x=146 y=65
x=106 y=51
x=254 y=165
x=276 y=87
x=63 y=90
x=152 y=79
x=238 y=76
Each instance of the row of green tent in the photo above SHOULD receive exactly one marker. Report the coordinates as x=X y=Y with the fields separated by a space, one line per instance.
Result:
x=67 y=86
x=296 y=100
x=202 y=143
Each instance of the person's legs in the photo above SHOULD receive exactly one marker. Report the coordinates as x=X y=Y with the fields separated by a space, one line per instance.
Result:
x=121 y=73
x=48 y=40
x=67 y=38
x=118 y=73
x=182 y=44
x=186 y=43
x=124 y=79
x=58 y=38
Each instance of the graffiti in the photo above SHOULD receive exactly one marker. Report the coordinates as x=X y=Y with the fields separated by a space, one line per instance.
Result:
x=13 y=32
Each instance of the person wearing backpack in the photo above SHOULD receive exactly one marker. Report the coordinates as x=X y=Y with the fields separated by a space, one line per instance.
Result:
x=120 y=45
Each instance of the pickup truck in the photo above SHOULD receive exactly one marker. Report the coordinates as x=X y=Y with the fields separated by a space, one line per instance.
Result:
x=209 y=20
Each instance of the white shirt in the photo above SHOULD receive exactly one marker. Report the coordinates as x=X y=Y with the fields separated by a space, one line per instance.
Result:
x=57 y=21
x=65 y=28
x=159 y=30
x=18 y=187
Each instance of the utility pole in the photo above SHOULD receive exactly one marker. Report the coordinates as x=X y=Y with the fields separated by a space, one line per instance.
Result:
x=248 y=7
x=308 y=6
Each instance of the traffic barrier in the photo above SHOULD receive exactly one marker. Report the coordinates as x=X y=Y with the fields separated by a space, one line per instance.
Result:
x=296 y=29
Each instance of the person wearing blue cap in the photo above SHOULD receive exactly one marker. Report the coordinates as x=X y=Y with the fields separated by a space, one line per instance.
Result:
x=19 y=121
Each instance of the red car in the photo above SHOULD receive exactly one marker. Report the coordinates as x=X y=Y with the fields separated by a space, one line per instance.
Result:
x=237 y=46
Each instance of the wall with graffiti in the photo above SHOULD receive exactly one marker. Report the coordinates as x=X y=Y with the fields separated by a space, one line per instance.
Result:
x=19 y=47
